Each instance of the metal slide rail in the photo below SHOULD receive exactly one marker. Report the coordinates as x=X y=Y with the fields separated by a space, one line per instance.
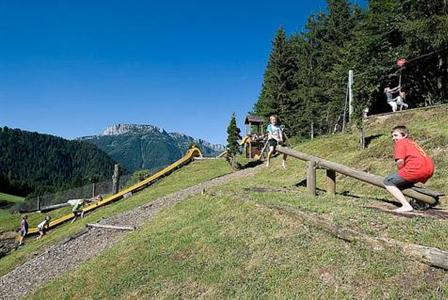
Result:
x=188 y=157
x=314 y=162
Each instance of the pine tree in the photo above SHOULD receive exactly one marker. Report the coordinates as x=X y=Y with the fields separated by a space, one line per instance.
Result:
x=305 y=79
x=233 y=135
x=279 y=85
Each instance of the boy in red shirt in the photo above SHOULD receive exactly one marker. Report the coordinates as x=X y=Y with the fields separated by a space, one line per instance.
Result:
x=414 y=165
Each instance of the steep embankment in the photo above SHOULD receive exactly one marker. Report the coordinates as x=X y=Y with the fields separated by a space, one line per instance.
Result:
x=241 y=239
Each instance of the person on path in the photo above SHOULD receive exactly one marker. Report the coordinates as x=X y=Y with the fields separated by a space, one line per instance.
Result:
x=43 y=226
x=23 y=229
x=77 y=208
x=275 y=137
x=414 y=165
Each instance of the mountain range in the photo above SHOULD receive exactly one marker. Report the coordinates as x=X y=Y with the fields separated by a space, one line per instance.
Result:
x=149 y=147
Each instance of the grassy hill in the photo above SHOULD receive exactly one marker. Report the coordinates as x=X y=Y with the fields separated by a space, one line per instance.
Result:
x=10 y=198
x=233 y=242
x=187 y=176
x=7 y=220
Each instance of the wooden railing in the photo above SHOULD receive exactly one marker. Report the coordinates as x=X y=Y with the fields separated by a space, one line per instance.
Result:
x=314 y=163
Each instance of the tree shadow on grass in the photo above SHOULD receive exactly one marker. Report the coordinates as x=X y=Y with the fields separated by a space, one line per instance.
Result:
x=251 y=164
x=369 y=139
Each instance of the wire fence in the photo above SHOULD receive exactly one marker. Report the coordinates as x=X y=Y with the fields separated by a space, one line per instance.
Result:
x=84 y=192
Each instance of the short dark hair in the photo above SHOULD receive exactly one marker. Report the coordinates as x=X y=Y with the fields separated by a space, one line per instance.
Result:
x=401 y=128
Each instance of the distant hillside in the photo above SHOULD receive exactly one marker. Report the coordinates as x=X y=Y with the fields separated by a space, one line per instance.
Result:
x=31 y=161
x=146 y=146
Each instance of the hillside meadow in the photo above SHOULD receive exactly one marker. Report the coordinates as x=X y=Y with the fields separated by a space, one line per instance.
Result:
x=238 y=239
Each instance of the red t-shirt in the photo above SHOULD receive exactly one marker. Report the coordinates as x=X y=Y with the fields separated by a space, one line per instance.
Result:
x=418 y=166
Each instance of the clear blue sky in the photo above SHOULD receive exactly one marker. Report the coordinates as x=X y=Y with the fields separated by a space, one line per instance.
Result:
x=71 y=68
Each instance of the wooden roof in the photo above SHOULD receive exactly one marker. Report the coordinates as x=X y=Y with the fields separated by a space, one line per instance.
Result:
x=253 y=119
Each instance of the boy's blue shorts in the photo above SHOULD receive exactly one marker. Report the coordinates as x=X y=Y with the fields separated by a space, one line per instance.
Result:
x=398 y=181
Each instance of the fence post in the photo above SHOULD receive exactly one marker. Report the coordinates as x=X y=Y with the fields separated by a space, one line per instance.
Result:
x=331 y=182
x=116 y=179
x=38 y=203
x=93 y=190
x=311 y=177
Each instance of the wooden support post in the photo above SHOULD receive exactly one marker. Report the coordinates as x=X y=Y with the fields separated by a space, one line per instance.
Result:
x=93 y=190
x=350 y=95
x=311 y=178
x=250 y=149
x=363 y=138
x=116 y=179
x=331 y=182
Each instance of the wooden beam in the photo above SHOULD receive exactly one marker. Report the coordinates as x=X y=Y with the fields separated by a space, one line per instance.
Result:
x=360 y=175
x=428 y=255
x=111 y=227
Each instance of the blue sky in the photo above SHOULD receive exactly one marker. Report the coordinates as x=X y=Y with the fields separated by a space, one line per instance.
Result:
x=71 y=68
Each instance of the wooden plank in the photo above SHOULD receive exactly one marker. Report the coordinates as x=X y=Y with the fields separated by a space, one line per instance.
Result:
x=428 y=192
x=111 y=227
x=428 y=255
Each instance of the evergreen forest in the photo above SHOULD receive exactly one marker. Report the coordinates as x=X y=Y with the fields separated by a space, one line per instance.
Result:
x=306 y=79
x=36 y=163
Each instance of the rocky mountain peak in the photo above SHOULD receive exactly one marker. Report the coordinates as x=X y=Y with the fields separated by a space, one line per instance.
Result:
x=118 y=129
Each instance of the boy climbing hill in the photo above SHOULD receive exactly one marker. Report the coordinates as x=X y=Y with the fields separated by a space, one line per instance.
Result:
x=414 y=165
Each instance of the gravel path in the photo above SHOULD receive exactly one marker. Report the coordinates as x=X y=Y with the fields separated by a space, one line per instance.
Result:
x=70 y=253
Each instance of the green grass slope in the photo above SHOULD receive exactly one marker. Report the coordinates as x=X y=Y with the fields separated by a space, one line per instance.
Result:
x=231 y=243
x=8 y=220
x=187 y=176
x=10 y=198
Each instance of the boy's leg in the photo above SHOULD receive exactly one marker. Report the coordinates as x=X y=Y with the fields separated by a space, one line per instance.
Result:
x=271 y=150
x=392 y=184
x=284 y=161
x=74 y=218
x=394 y=106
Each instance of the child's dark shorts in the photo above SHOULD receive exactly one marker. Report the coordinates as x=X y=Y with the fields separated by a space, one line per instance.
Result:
x=398 y=181
x=23 y=233
x=272 y=143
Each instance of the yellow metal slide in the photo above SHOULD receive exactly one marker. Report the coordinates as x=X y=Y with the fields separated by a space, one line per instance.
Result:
x=188 y=157
x=245 y=140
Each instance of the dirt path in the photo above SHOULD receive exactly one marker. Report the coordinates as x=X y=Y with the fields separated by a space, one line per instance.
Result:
x=70 y=253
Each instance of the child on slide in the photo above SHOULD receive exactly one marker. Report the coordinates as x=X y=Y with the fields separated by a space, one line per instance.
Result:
x=275 y=137
x=414 y=165
x=43 y=226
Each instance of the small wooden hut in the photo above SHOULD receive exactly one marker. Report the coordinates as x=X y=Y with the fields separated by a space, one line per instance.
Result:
x=254 y=136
